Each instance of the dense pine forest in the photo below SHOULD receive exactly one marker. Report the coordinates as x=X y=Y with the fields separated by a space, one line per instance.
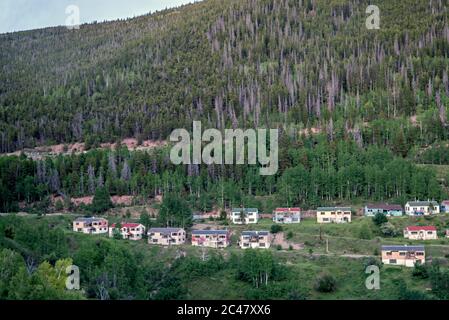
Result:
x=290 y=64
x=313 y=172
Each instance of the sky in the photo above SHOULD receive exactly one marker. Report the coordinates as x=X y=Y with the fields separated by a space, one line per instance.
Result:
x=18 y=15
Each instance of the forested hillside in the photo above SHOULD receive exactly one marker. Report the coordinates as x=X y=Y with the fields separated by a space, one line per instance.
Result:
x=351 y=103
x=363 y=116
x=313 y=173
x=271 y=63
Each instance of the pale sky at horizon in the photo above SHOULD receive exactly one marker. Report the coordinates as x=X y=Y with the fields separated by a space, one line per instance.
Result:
x=19 y=15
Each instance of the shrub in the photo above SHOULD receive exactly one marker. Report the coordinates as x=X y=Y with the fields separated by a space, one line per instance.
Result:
x=420 y=271
x=289 y=235
x=275 y=228
x=59 y=205
x=379 y=219
x=223 y=215
x=325 y=283
x=372 y=261
x=388 y=230
x=365 y=232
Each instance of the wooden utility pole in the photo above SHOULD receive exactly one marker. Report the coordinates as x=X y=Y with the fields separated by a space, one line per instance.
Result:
x=327 y=245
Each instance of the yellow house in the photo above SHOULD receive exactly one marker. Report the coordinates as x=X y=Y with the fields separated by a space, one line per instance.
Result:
x=333 y=215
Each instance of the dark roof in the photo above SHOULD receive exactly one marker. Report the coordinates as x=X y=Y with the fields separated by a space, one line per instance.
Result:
x=384 y=206
x=88 y=219
x=422 y=203
x=255 y=233
x=287 y=209
x=126 y=225
x=245 y=210
x=209 y=231
x=164 y=230
x=333 y=209
x=402 y=248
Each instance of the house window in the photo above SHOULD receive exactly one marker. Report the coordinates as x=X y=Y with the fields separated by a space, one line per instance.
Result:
x=393 y=261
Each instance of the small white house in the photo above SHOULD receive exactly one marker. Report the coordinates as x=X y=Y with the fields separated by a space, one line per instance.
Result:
x=422 y=208
x=244 y=215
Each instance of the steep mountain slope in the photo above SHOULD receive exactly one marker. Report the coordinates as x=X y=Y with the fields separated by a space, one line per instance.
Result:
x=299 y=64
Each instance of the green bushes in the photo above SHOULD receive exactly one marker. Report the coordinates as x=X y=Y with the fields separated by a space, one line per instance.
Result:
x=379 y=219
x=275 y=228
x=388 y=230
x=420 y=271
x=325 y=283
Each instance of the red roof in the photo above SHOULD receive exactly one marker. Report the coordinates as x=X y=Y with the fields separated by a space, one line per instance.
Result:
x=287 y=209
x=418 y=228
x=127 y=225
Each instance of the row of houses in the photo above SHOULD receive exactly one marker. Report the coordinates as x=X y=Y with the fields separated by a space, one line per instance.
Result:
x=290 y=215
x=340 y=214
x=402 y=255
x=172 y=236
x=412 y=208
